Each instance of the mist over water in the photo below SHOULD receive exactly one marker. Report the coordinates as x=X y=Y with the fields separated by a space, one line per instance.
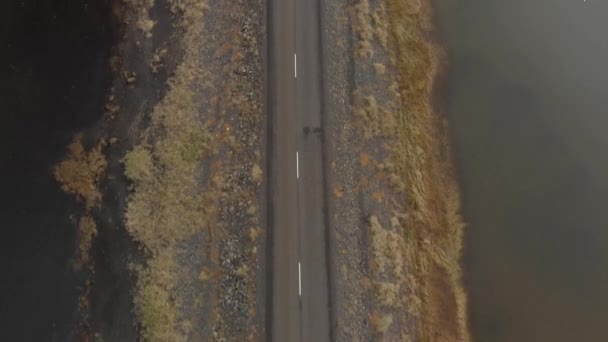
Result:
x=527 y=95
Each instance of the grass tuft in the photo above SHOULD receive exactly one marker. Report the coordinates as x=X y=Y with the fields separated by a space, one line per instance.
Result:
x=87 y=231
x=382 y=322
x=138 y=165
x=79 y=173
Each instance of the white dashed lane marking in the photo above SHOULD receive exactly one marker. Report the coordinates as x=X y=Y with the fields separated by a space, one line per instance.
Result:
x=297 y=164
x=300 y=279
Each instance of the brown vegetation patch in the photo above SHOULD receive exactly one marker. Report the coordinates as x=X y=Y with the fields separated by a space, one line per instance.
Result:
x=143 y=20
x=364 y=159
x=379 y=68
x=374 y=120
x=442 y=306
x=422 y=160
x=363 y=29
x=79 y=173
x=378 y=196
x=87 y=231
x=381 y=322
x=167 y=204
x=420 y=250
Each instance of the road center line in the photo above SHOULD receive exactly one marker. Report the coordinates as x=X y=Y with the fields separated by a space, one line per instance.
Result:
x=297 y=164
x=299 y=279
x=295 y=65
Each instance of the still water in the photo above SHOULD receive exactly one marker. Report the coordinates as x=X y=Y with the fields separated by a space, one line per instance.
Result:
x=54 y=78
x=527 y=93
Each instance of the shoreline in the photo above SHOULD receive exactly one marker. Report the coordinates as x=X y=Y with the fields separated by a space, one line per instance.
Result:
x=394 y=194
x=438 y=191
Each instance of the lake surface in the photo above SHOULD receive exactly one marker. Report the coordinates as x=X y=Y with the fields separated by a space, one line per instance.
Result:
x=54 y=80
x=527 y=95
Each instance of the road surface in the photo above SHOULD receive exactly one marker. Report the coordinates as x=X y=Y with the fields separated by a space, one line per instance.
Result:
x=299 y=285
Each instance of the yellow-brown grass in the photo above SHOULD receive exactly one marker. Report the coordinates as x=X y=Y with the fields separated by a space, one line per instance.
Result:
x=421 y=159
x=167 y=203
x=381 y=322
x=79 y=173
x=87 y=231
x=143 y=20
x=363 y=29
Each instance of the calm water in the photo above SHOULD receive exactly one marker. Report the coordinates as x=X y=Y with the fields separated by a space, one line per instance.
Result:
x=54 y=78
x=527 y=94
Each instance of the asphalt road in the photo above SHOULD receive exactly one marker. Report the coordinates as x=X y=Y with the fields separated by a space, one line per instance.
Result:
x=299 y=288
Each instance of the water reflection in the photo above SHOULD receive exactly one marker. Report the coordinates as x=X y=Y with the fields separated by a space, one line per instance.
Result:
x=528 y=97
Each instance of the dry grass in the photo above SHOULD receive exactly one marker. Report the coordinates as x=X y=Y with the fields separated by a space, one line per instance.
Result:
x=87 y=231
x=381 y=322
x=369 y=24
x=139 y=166
x=190 y=12
x=256 y=173
x=167 y=204
x=156 y=63
x=388 y=293
x=421 y=159
x=363 y=29
x=426 y=235
x=155 y=302
x=143 y=21
x=380 y=25
x=146 y=25
x=379 y=68
x=374 y=120
x=79 y=173
x=386 y=249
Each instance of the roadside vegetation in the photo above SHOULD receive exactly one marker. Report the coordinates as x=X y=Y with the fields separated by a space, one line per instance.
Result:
x=194 y=176
x=167 y=203
x=423 y=159
x=184 y=122
x=415 y=254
